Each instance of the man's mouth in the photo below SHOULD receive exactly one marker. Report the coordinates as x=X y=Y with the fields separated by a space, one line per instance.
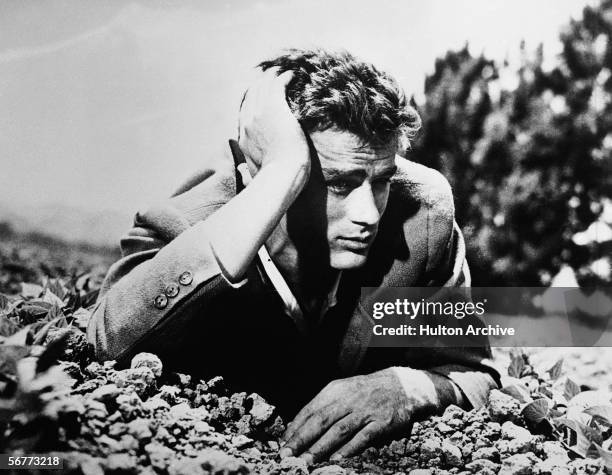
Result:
x=357 y=244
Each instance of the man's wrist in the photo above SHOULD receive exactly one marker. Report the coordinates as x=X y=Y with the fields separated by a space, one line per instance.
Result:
x=428 y=392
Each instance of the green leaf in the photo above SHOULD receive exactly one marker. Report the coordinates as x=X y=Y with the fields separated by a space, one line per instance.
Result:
x=556 y=370
x=578 y=437
x=30 y=290
x=518 y=392
x=57 y=288
x=517 y=364
x=571 y=389
x=4 y=302
x=81 y=318
x=53 y=299
x=35 y=310
x=536 y=411
x=21 y=338
x=601 y=413
x=9 y=356
x=606 y=457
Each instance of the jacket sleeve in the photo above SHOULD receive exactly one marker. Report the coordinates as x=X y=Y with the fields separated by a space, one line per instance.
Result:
x=144 y=301
x=470 y=368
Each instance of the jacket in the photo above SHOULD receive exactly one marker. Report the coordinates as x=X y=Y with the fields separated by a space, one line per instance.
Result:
x=168 y=280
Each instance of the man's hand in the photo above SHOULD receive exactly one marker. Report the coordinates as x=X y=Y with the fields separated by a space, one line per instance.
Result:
x=350 y=414
x=268 y=129
x=278 y=155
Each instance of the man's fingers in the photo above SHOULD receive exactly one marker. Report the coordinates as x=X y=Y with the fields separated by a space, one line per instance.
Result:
x=337 y=435
x=308 y=410
x=304 y=434
x=364 y=438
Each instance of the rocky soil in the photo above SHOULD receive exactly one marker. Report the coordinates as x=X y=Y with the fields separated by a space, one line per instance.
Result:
x=142 y=420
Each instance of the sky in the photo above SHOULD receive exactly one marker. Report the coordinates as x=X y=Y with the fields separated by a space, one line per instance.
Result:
x=109 y=105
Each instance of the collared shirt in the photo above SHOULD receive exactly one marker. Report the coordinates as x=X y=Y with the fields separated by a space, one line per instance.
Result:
x=291 y=306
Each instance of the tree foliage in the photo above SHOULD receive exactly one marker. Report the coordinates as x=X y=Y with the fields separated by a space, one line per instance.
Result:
x=528 y=151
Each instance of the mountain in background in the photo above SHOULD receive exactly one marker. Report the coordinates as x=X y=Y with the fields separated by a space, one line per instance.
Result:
x=68 y=223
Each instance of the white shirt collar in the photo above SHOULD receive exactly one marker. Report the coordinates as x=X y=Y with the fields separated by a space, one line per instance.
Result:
x=292 y=307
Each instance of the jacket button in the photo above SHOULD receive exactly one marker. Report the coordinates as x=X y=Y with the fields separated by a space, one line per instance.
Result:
x=171 y=290
x=161 y=301
x=186 y=278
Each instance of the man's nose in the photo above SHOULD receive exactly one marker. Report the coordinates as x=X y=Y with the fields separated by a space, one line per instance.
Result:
x=363 y=208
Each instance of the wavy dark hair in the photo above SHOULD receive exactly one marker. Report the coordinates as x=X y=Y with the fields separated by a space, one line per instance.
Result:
x=335 y=89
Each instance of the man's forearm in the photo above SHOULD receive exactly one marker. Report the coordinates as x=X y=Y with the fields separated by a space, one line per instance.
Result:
x=251 y=216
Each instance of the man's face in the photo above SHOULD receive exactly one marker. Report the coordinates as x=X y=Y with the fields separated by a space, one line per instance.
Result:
x=356 y=181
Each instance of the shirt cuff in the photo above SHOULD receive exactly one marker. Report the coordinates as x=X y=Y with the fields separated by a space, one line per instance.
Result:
x=234 y=285
x=474 y=384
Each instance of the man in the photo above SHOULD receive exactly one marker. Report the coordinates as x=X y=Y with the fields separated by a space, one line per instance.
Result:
x=262 y=284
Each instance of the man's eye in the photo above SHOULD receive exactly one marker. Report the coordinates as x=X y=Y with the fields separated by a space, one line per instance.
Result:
x=340 y=186
x=382 y=181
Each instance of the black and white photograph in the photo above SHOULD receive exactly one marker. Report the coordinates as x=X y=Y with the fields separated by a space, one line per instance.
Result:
x=306 y=237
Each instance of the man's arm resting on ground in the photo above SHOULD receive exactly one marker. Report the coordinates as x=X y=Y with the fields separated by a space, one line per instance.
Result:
x=155 y=285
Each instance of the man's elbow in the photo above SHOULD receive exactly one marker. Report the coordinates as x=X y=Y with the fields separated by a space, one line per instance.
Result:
x=98 y=334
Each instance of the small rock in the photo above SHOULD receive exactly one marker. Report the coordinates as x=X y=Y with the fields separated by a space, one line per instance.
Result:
x=155 y=404
x=585 y=466
x=397 y=447
x=519 y=464
x=503 y=407
x=243 y=426
x=512 y=431
x=329 y=470
x=216 y=385
x=253 y=453
x=94 y=369
x=444 y=428
x=106 y=393
x=551 y=467
x=209 y=461
x=201 y=427
x=276 y=429
x=451 y=454
x=491 y=430
x=453 y=412
x=181 y=411
x=117 y=429
x=467 y=450
x=141 y=379
x=241 y=441
x=128 y=443
x=517 y=439
x=554 y=450
x=140 y=429
x=159 y=455
x=120 y=462
x=148 y=360
x=260 y=410
x=170 y=394
x=95 y=409
x=431 y=447
x=489 y=453
x=293 y=466
x=483 y=467
x=129 y=405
